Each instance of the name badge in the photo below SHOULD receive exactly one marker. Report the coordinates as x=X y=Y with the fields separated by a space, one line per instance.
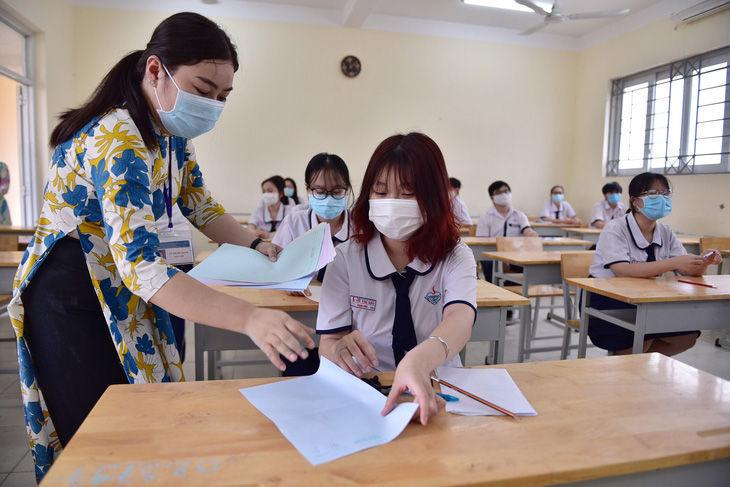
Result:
x=176 y=247
x=362 y=303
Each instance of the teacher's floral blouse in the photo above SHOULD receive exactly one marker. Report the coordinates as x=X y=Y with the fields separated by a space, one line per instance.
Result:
x=105 y=184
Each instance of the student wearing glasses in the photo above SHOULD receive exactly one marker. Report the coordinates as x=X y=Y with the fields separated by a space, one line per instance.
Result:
x=637 y=245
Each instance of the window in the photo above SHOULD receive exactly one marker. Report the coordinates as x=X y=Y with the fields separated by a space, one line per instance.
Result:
x=674 y=119
x=17 y=129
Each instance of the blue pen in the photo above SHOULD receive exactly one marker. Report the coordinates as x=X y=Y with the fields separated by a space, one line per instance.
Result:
x=709 y=254
x=446 y=397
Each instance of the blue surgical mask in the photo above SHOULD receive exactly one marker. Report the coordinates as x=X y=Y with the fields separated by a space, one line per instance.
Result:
x=192 y=115
x=289 y=192
x=656 y=207
x=329 y=208
x=614 y=198
x=557 y=198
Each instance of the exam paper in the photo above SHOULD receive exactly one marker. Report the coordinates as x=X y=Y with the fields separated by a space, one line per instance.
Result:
x=238 y=265
x=330 y=414
x=493 y=385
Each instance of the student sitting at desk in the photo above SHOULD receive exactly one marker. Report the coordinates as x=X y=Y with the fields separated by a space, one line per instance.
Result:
x=557 y=211
x=501 y=220
x=273 y=206
x=460 y=209
x=404 y=282
x=637 y=245
x=290 y=191
x=610 y=208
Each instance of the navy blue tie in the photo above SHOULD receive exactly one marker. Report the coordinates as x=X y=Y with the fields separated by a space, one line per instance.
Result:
x=650 y=256
x=404 y=332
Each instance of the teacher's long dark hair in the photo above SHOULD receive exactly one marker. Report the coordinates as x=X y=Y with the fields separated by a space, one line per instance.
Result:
x=182 y=39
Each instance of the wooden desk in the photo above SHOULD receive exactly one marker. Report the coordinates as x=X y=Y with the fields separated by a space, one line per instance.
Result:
x=590 y=234
x=9 y=262
x=537 y=268
x=547 y=229
x=490 y=325
x=16 y=230
x=662 y=305
x=620 y=421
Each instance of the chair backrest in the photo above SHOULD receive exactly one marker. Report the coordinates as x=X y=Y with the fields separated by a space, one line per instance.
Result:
x=473 y=231
x=517 y=244
x=718 y=243
x=576 y=264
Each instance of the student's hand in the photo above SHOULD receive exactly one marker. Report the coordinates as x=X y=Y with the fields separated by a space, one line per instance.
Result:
x=415 y=378
x=269 y=249
x=530 y=232
x=689 y=264
x=354 y=345
x=712 y=259
x=275 y=332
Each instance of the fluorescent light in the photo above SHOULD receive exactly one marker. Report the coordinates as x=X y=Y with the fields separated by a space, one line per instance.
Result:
x=508 y=4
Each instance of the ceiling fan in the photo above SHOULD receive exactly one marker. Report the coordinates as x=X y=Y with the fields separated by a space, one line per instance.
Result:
x=555 y=16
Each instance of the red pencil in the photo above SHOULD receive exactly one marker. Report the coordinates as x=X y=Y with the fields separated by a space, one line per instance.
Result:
x=697 y=283
x=476 y=398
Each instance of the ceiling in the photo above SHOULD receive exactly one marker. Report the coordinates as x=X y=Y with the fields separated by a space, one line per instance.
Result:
x=450 y=18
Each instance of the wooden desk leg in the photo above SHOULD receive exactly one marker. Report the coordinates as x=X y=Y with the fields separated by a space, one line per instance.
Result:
x=499 y=345
x=640 y=328
x=199 y=353
x=583 y=333
x=525 y=315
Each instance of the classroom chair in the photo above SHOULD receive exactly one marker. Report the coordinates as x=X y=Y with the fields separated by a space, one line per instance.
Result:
x=539 y=291
x=572 y=265
x=723 y=244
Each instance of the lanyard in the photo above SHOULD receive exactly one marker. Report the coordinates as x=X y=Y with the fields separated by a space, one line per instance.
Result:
x=167 y=188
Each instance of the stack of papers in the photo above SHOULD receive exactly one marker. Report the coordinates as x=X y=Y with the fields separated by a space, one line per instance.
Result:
x=330 y=414
x=493 y=385
x=232 y=265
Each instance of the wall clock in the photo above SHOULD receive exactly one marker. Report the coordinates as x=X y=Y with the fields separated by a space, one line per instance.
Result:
x=350 y=66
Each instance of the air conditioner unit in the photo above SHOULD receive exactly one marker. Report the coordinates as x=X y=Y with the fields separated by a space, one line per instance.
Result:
x=699 y=11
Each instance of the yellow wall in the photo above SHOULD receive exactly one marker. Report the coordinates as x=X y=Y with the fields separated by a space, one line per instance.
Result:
x=697 y=200
x=533 y=117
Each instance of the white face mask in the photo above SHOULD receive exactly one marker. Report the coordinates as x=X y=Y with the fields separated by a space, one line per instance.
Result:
x=396 y=218
x=502 y=198
x=270 y=198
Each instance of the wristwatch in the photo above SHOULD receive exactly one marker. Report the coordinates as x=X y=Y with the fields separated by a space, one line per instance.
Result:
x=256 y=242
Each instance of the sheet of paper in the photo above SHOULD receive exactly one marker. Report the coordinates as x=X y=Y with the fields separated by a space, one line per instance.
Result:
x=316 y=293
x=493 y=385
x=330 y=414
x=294 y=285
x=241 y=265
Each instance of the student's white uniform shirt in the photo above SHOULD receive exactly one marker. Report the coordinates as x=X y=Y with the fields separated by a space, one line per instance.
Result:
x=358 y=294
x=301 y=220
x=603 y=212
x=621 y=240
x=461 y=211
x=261 y=216
x=493 y=224
x=565 y=211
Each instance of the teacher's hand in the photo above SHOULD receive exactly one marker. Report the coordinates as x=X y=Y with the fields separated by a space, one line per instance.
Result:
x=269 y=250
x=275 y=332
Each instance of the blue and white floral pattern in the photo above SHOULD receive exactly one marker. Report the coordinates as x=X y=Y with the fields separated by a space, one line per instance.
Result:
x=105 y=184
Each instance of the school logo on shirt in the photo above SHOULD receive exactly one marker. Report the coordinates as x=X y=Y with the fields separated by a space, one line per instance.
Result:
x=362 y=303
x=434 y=296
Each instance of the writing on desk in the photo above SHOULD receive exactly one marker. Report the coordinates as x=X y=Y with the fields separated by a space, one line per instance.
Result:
x=131 y=475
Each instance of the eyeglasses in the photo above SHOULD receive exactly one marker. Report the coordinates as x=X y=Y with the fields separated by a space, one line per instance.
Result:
x=321 y=193
x=652 y=193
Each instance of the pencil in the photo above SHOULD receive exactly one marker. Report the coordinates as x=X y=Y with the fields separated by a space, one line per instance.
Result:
x=697 y=283
x=476 y=398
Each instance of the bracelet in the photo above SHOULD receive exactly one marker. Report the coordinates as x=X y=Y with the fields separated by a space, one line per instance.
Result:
x=443 y=342
x=256 y=242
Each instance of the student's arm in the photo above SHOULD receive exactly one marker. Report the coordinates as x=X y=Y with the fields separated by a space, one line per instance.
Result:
x=414 y=371
x=529 y=232
x=599 y=224
x=687 y=264
x=525 y=228
x=272 y=331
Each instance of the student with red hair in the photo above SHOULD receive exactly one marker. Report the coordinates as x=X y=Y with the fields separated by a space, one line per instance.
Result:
x=401 y=293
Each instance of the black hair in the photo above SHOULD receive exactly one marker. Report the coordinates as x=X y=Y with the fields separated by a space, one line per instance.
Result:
x=556 y=186
x=278 y=181
x=644 y=182
x=183 y=39
x=324 y=162
x=295 y=196
x=496 y=185
x=612 y=187
x=455 y=183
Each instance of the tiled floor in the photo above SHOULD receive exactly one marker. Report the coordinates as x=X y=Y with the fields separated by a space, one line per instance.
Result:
x=16 y=465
